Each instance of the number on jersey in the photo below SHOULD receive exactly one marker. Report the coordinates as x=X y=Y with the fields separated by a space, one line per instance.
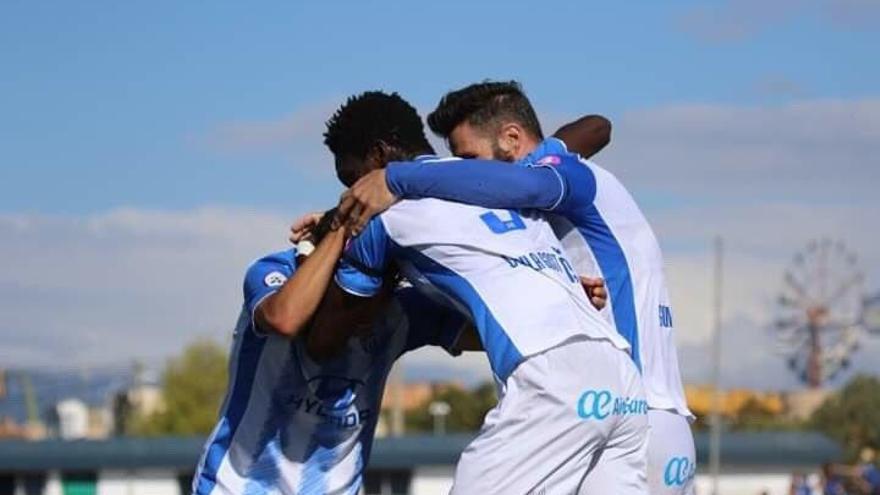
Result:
x=500 y=226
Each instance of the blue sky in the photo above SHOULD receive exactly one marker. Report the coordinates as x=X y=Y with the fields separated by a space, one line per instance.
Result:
x=139 y=131
x=103 y=104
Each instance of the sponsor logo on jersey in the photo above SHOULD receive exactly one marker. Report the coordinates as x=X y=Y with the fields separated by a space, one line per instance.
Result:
x=599 y=404
x=544 y=260
x=679 y=471
x=332 y=399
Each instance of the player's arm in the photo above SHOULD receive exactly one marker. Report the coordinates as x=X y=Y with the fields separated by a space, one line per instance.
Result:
x=431 y=323
x=288 y=310
x=585 y=136
x=494 y=184
x=487 y=183
x=469 y=339
x=356 y=296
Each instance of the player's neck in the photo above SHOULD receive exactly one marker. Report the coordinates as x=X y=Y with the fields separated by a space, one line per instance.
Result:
x=528 y=145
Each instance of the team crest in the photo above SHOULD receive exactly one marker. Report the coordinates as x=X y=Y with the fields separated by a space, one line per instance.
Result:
x=275 y=279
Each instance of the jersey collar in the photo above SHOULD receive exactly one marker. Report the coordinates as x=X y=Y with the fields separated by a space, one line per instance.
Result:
x=549 y=146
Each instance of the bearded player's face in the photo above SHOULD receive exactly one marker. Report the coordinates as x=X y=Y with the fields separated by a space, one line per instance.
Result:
x=466 y=141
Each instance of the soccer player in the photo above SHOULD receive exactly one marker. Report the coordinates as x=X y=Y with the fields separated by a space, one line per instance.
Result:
x=599 y=223
x=571 y=416
x=294 y=420
x=301 y=411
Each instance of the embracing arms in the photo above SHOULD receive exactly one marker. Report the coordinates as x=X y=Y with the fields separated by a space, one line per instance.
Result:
x=487 y=183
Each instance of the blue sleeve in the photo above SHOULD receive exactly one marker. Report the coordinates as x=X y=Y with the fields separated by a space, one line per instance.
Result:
x=429 y=322
x=265 y=277
x=363 y=263
x=580 y=184
x=486 y=183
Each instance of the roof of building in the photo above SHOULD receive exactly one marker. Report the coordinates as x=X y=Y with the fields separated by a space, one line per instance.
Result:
x=740 y=451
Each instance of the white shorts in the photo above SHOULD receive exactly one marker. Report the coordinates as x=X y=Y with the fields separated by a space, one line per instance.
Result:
x=672 y=460
x=571 y=420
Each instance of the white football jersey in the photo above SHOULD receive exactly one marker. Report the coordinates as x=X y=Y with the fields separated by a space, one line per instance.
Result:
x=605 y=233
x=505 y=269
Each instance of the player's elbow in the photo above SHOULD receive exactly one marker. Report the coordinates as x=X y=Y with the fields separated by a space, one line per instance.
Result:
x=286 y=324
x=600 y=128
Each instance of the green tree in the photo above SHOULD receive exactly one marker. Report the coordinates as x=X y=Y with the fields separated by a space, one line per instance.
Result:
x=193 y=386
x=852 y=415
x=755 y=415
x=467 y=408
x=752 y=415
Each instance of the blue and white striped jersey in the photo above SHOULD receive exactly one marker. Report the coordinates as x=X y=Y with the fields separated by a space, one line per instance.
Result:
x=505 y=269
x=290 y=425
x=605 y=232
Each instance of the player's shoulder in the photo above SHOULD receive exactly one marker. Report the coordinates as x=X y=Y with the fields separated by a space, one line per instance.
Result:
x=423 y=213
x=283 y=262
x=407 y=207
x=552 y=152
x=286 y=257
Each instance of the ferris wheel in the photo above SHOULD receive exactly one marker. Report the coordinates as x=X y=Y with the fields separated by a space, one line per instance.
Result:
x=822 y=311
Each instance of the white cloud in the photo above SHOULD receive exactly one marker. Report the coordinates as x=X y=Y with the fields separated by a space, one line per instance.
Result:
x=778 y=86
x=767 y=178
x=105 y=289
x=854 y=14
x=737 y=20
x=760 y=242
x=816 y=150
x=110 y=287
x=296 y=135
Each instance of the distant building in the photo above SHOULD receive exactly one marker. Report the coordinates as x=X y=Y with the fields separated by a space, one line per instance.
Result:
x=137 y=401
x=700 y=397
x=32 y=396
x=416 y=395
x=801 y=404
x=73 y=419
x=794 y=405
x=416 y=465
x=9 y=428
x=411 y=397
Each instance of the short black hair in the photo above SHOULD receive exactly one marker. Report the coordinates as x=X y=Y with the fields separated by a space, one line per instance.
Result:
x=483 y=105
x=375 y=116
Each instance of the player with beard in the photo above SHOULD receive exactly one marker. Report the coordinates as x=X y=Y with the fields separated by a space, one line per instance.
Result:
x=300 y=412
x=598 y=221
x=571 y=416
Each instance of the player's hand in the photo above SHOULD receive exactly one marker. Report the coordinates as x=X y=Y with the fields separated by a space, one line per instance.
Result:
x=368 y=197
x=302 y=228
x=596 y=292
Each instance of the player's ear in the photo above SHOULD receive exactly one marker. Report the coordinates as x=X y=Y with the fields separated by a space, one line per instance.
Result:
x=510 y=138
x=379 y=155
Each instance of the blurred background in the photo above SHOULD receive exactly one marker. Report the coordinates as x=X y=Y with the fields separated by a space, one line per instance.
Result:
x=150 y=151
